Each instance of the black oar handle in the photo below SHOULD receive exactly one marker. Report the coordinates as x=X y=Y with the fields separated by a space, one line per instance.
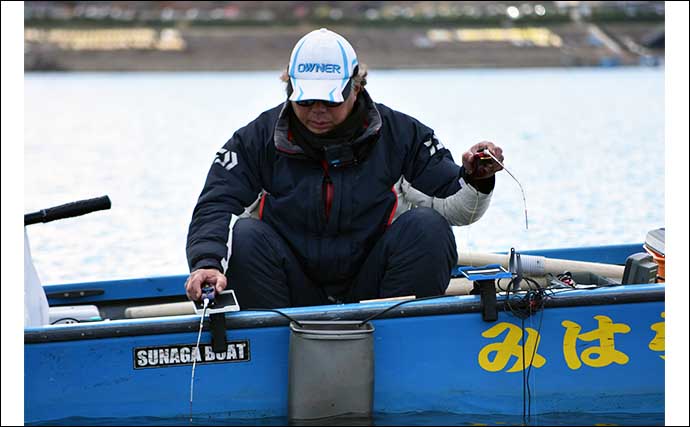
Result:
x=68 y=210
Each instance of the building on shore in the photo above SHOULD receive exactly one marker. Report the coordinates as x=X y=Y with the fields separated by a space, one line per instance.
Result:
x=214 y=36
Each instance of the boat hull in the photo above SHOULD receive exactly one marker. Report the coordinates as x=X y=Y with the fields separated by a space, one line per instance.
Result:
x=598 y=350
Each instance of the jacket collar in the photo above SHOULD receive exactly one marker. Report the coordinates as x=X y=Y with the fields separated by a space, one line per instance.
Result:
x=282 y=140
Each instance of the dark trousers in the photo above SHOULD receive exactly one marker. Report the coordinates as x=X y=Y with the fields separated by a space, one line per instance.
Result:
x=413 y=257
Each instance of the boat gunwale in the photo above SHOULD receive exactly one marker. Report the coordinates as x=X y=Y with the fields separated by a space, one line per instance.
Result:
x=609 y=295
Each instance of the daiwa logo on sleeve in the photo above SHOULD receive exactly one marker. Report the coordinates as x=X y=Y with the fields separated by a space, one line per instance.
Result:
x=186 y=354
x=318 y=68
x=225 y=158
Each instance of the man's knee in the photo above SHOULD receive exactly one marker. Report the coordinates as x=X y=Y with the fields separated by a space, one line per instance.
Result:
x=417 y=257
x=424 y=221
x=425 y=231
x=251 y=237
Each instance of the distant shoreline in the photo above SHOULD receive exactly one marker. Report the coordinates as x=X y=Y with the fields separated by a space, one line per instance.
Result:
x=262 y=48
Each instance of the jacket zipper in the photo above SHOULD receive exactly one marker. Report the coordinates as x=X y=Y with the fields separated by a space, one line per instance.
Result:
x=327 y=190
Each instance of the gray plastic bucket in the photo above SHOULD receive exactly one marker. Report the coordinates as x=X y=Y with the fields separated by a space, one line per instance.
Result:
x=331 y=369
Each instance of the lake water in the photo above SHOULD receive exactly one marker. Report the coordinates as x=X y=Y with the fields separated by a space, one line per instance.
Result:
x=586 y=144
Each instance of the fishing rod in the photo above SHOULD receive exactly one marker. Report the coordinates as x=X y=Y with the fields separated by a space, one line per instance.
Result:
x=485 y=154
x=208 y=298
x=68 y=210
x=215 y=305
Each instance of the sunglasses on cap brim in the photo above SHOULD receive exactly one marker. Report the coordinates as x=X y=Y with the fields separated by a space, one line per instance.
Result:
x=310 y=102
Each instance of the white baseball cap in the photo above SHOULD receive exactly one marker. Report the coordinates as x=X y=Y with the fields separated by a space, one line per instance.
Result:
x=321 y=65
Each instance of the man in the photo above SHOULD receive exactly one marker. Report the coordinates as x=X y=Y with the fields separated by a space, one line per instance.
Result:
x=342 y=199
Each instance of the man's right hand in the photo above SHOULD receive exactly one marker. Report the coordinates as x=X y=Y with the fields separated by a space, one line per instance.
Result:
x=201 y=276
x=477 y=171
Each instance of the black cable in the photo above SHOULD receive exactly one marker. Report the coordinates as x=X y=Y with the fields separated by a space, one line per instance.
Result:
x=523 y=307
x=519 y=306
x=516 y=311
x=516 y=304
x=539 y=297
x=532 y=282
x=374 y=316
x=273 y=310
x=544 y=297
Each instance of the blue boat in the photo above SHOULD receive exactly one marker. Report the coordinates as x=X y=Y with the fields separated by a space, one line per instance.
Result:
x=589 y=349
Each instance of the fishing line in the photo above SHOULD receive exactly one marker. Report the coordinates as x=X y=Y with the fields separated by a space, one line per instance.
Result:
x=469 y=223
x=198 y=340
x=526 y=391
x=524 y=307
x=529 y=370
x=541 y=300
x=524 y=378
x=486 y=151
x=524 y=200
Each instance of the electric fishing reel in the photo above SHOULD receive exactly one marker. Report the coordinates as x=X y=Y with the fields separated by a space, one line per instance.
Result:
x=218 y=304
x=484 y=282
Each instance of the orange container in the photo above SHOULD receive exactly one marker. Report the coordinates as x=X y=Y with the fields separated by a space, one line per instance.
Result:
x=660 y=260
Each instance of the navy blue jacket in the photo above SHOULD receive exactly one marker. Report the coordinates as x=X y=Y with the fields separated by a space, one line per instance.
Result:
x=329 y=216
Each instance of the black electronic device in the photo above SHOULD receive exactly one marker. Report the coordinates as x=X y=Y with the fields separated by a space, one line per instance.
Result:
x=218 y=303
x=484 y=280
x=640 y=268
